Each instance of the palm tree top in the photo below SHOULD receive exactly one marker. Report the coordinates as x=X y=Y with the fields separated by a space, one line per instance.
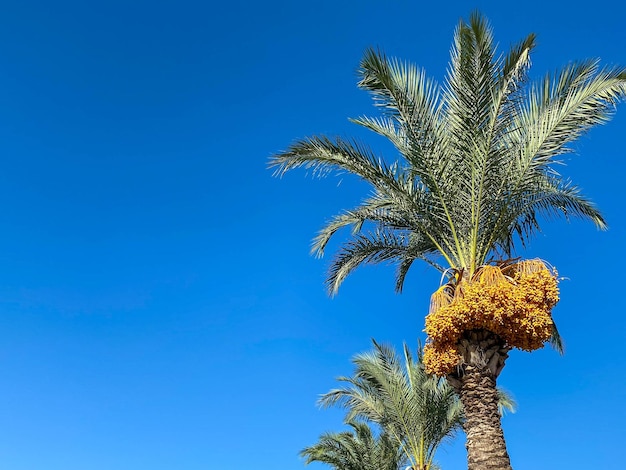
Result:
x=417 y=410
x=477 y=155
x=358 y=449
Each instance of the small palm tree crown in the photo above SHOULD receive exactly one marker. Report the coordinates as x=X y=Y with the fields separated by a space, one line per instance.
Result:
x=416 y=410
x=477 y=155
x=359 y=449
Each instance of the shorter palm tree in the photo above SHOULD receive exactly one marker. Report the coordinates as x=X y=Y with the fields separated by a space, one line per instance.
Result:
x=359 y=449
x=417 y=410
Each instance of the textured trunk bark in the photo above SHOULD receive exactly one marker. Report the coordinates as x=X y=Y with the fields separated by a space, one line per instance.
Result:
x=486 y=448
x=483 y=356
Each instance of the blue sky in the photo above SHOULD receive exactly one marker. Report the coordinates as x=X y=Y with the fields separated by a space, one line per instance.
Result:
x=158 y=306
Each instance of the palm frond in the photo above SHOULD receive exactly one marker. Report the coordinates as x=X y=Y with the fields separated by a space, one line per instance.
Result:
x=358 y=449
x=322 y=155
x=563 y=107
x=545 y=196
x=506 y=402
x=556 y=340
x=380 y=209
x=403 y=92
x=386 y=127
x=372 y=248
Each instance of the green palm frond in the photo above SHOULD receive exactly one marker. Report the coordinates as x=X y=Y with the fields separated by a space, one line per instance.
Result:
x=518 y=214
x=561 y=108
x=322 y=155
x=404 y=94
x=379 y=209
x=372 y=248
x=380 y=246
x=506 y=402
x=358 y=449
x=556 y=341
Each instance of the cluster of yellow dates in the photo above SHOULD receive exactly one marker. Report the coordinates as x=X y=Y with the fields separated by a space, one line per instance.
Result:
x=513 y=301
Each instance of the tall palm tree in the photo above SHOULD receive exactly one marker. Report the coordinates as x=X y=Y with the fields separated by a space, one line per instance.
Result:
x=359 y=449
x=475 y=174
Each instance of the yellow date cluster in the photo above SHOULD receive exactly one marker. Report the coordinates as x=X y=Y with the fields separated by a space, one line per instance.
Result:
x=514 y=302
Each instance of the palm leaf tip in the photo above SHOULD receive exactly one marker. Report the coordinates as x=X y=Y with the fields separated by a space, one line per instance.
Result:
x=556 y=341
x=506 y=402
x=358 y=449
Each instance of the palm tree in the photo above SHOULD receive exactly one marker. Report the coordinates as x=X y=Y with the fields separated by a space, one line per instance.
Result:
x=359 y=449
x=475 y=176
x=417 y=410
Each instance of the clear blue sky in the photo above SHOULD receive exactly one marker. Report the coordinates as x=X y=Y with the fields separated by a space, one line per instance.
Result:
x=158 y=306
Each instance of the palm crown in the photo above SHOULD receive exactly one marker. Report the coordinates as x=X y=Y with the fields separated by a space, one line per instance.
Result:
x=359 y=449
x=418 y=411
x=477 y=155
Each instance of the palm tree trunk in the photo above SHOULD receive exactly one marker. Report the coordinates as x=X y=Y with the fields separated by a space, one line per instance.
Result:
x=486 y=449
x=484 y=354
